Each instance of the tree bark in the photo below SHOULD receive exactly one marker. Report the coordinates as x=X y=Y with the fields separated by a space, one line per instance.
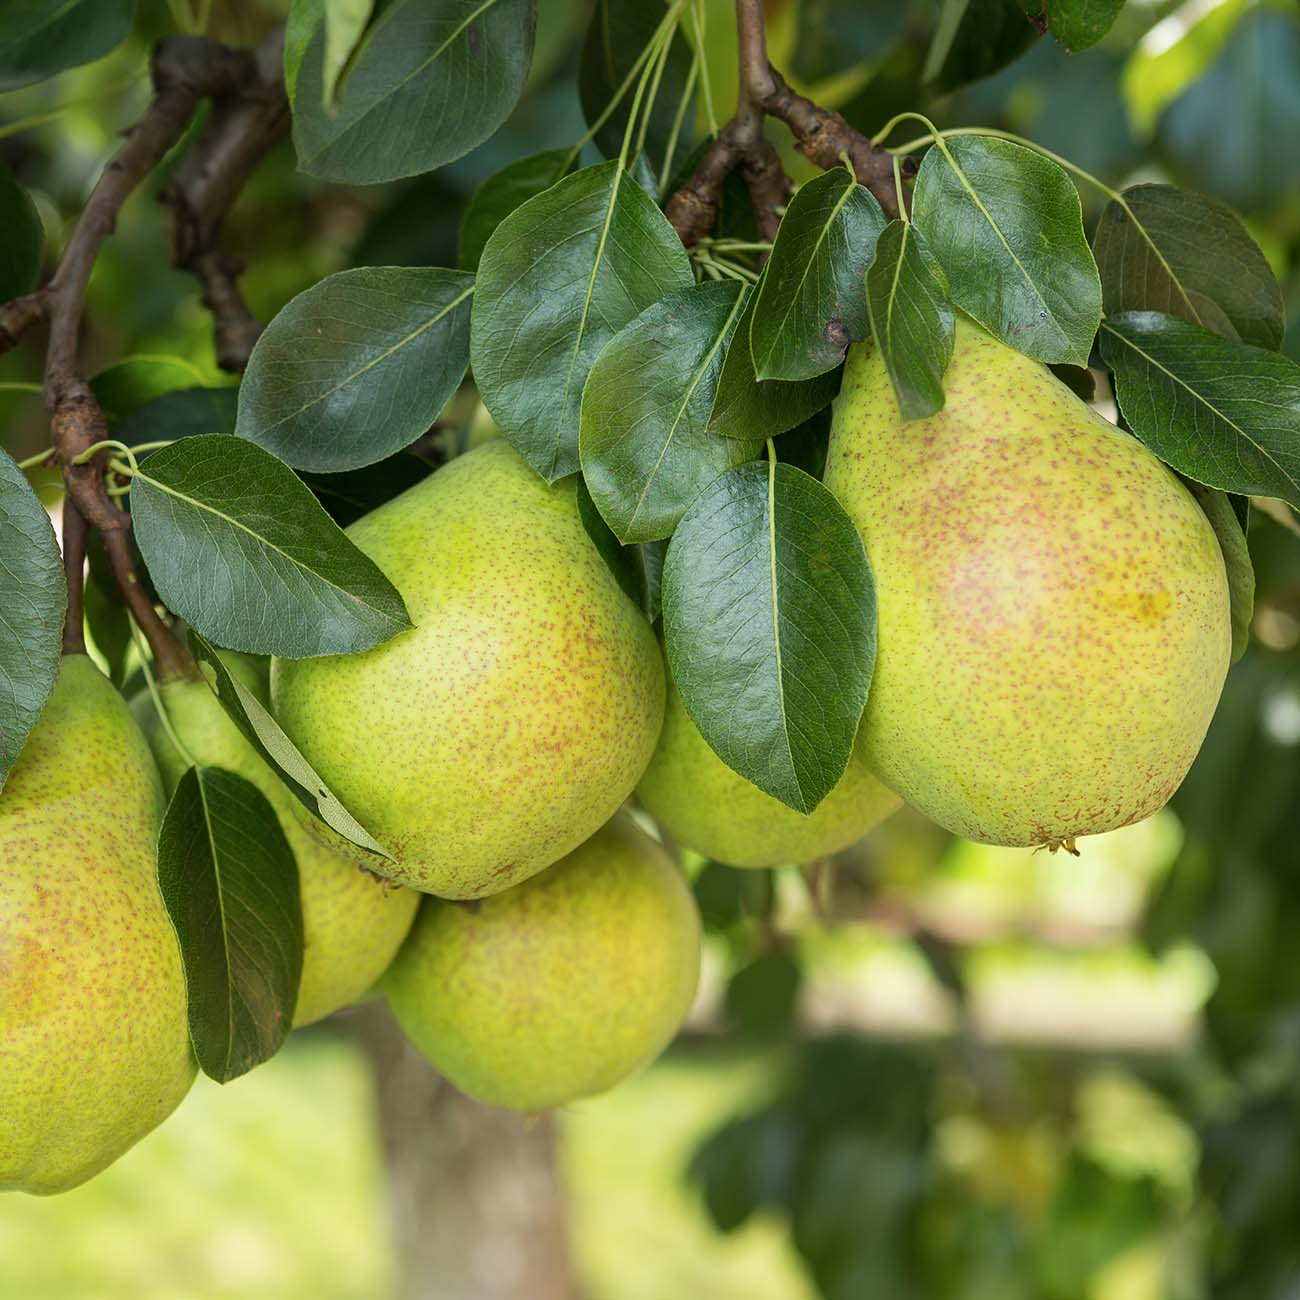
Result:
x=477 y=1199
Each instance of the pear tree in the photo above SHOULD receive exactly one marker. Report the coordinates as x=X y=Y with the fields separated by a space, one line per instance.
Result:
x=766 y=456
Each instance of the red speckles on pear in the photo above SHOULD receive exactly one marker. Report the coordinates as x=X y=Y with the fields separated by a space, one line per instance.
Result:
x=1053 y=609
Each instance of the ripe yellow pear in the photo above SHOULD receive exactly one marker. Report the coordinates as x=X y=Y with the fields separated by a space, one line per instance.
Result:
x=560 y=987
x=353 y=921
x=707 y=807
x=516 y=716
x=94 y=1040
x=1053 y=607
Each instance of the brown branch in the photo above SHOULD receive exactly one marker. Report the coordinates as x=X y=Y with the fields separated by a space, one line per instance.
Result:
x=75 y=532
x=819 y=134
x=18 y=316
x=245 y=123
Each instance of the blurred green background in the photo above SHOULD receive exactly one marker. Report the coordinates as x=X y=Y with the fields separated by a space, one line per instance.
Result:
x=928 y=1069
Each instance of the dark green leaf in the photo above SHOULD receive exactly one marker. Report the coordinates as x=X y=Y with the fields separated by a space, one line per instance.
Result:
x=1222 y=413
x=762 y=997
x=41 y=37
x=358 y=366
x=262 y=731
x=181 y=414
x=501 y=194
x=560 y=276
x=770 y=623
x=126 y=386
x=619 y=32
x=810 y=302
x=239 y=548
x=1237 y=128
x=1078 y=379
x=646 y=453
x=834 y=35
x=1006 y=226
x=31 y=611
x=637 y=568
x=108 y=623
x=230 y=883
x=1222 y=514
x=975 y=38
x=1166 y=249
x=22 y=241
x=911 y=318
x=751 y=408
x=1077 y=24
x=346 y=497
x=433 y=78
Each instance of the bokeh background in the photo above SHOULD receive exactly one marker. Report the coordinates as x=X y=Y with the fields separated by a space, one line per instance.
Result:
x=926 y=1069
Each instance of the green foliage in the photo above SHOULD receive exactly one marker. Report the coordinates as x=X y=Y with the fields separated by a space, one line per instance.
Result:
x=20 y=254
x=42 y=37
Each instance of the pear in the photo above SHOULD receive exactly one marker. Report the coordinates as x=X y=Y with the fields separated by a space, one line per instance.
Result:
x=707 y=807
x=516 y=716
x=353 y=921
x=94 y=1038
x=559 y=987
x=1053 y=607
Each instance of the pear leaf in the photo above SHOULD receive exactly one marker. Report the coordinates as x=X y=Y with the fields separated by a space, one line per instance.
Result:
x=1222 y=413
x=181 y=413
x=637 y=568
x=42 y=37
x=502 y=193
x=770 y=622
x=646 y=453
x=911 y=318
x=810 y=305
x=356 y=492
x=31 y=614
x=431 y=79
x=230 y=884
x=750 y=408
x=281 y=755
x=358 y=366
x=1221 y=510
x=1006 y=226
x=559 y=277
x=237 y=545
x=137 y=381
x=20 y=250
x=1160 y=248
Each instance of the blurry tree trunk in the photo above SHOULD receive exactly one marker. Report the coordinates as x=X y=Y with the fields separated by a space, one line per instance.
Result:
x=476 y=1194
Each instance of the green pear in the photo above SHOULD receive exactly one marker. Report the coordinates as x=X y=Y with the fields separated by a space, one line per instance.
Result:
x=519 y=712
x=559 y=987
x=353 y=921
x=1053 y=608
x=707 y=807
x=94 y=1037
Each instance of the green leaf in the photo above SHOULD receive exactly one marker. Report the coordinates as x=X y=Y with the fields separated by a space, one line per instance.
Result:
x=975 y=38
x=107 y=622
x=262 y=731
x=228 y=878
x=770 y=623
x=560 y=276
x=41 y=37
x=835 y=35
x=1221 y=511
x=762 y=997
x=345 y=20
x=810 y=302
x=637 y=568
x=619 y=31
x=181 y=414
x=911 y=318
x=348 y=496
x=745 y=406
x=1222 y=413
x=239 y=548
x=501 y=194
x=432 y=79
x=24 y=239
x=358 y=366
x=127 y=385
x=31 y=613
x=646 y=453
x=1076 y=24
x=1166 y=249
x=1006 y=226
x=305 y=16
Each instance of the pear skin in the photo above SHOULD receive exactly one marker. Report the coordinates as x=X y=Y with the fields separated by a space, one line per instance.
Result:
x=353 y=922
x=707 y=807
x=560 y=987
x=1053 y=625
x=94 y=1036
x=520 y=711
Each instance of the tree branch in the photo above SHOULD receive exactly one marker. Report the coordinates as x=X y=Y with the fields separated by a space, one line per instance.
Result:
x=819 y=134
x=244 y=125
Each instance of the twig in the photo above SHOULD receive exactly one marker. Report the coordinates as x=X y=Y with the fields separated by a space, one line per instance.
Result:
x=245 y=123
x=819 y=134
x=74 y=562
